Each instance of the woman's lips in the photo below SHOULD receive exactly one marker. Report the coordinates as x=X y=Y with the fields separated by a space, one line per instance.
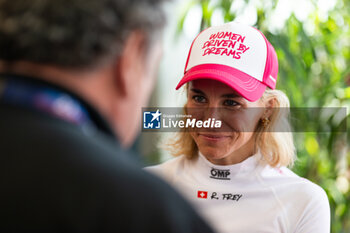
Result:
x=213 y=137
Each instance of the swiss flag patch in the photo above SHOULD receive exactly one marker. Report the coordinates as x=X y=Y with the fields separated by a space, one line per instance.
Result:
x=202 y=194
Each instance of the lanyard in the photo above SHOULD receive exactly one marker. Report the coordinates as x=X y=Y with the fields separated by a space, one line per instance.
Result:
x=43 y=99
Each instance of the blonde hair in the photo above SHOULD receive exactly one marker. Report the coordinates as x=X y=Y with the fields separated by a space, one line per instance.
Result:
x=276 y=147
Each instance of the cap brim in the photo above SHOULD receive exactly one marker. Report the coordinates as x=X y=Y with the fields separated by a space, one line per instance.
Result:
x=245 y=85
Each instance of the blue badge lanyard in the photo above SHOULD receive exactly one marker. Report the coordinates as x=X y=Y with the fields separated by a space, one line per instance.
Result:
x=44 y=99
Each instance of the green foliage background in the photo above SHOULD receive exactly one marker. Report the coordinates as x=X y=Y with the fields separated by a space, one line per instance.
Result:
x=314 y=72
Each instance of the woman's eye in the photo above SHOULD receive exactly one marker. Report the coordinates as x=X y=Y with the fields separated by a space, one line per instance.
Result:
x=199 y=99
x=230 y=103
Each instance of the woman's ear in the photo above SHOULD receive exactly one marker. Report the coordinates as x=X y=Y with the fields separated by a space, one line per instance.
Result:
x=270 y=104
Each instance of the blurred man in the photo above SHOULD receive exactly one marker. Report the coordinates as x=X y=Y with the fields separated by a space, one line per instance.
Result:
x=74 y=75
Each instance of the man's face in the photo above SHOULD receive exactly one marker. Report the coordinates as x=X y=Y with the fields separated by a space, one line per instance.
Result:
x=152 y=61
x=143 y=74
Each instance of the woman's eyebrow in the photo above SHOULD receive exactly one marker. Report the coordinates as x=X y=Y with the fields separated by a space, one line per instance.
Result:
x=197 y=91
x=231 y=95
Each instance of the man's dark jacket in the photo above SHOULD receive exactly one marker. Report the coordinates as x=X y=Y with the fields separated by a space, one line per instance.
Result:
x=56 y=177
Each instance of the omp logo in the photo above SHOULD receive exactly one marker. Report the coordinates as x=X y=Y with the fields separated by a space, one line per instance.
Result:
x=219 y=174
x=151 y=120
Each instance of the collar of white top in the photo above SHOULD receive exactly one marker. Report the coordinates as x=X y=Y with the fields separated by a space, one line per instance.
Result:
x=226 y=172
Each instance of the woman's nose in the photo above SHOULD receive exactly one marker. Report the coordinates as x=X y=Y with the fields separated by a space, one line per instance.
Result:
x=212 y=111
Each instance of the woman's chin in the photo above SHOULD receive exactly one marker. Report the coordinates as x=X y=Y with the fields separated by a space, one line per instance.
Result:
x=212 y=153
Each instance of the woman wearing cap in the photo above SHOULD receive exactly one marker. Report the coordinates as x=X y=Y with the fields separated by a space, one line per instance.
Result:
x=237 y=175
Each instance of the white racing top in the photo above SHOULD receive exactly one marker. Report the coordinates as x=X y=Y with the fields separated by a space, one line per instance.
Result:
x=249 y=197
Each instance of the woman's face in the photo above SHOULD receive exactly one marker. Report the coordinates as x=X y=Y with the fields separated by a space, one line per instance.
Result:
x=234 y=141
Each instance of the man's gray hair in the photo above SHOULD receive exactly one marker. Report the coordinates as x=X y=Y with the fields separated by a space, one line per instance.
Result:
x=73 y=33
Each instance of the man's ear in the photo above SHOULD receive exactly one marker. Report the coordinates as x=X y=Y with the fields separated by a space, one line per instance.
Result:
x=131 y=63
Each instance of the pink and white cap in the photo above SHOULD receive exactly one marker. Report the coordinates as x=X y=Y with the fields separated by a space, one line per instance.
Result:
x=236 y=54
